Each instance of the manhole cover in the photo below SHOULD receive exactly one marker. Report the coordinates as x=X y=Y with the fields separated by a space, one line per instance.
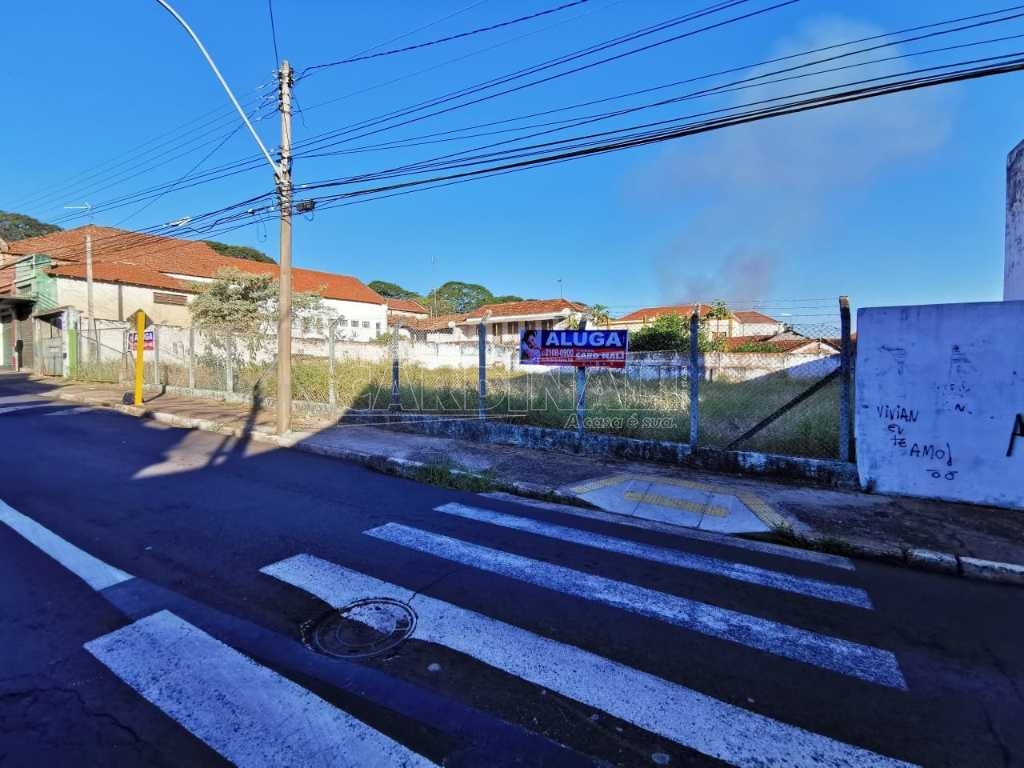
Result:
x=364 y=628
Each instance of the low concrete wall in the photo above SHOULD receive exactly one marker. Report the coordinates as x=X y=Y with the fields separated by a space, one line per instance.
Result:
x=940 y=398
x=830 y=473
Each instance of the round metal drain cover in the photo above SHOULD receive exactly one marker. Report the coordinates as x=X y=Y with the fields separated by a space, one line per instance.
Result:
x=364 y=628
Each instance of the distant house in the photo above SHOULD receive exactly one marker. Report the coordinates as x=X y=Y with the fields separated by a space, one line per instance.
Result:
x=739 y=322
x=43 y=288
x=400 y=309
x=504 y=321
x=783 y=343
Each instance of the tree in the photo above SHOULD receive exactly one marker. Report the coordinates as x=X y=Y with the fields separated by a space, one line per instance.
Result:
x=240 y=252
x=671 y=333
x=455 y=296
x=600 y=315
x=505 y=299
x=392 y=290
x=719 y=311
x=242 y=305
x=17 y=226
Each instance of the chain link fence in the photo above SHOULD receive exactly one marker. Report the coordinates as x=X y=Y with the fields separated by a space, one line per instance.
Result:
x=783 y=395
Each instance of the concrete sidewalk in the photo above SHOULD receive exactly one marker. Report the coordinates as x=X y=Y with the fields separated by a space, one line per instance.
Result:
x=972 y=541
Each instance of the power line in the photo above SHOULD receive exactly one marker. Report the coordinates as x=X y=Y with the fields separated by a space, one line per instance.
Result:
x=140 y=169
x=422 y=27
x=525 y=72
x=738 y=85
x=209 y=122
x=856 y=94
x=440 y=40
x=454 y=60
x=181 y=179
x=273 y=32
x=419 y=140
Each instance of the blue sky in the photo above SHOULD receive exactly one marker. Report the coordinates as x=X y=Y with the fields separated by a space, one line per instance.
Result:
x=896 y=201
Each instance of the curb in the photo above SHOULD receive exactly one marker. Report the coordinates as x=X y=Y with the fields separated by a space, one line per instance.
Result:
x=948 y=563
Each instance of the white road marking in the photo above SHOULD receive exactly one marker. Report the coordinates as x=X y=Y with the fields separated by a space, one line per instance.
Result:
x=846 y=657
x=750 y=574
x=673 y=711
x=93 y=571
x=70 y=411
x=821 y=558
x=248 y=713
x=16 y=408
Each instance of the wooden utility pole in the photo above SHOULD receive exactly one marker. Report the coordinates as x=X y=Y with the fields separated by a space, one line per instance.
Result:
x=283 y=181
x=95 y=344
x=284 y=302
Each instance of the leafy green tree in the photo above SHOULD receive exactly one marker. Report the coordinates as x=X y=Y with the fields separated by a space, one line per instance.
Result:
x=599 y=315
x=456 y=296
x=243 y=306
x=18 y=226
x=758 y=346
x=505 y=299
x=719 y=311
x=393 y=290
x=671 y=333
x=240 y=252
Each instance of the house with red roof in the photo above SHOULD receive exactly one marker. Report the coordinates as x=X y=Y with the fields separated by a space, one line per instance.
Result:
x=504 y=321
x=43 y=287
x=739 y=322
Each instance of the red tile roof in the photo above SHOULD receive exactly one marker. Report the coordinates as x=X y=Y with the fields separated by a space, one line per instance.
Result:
x=685 y=310
x=649 y=313
x=750 y=316
x=128 y=274
x=407 y=305
x=777 y=346
x=133 y=257
x=527 y=307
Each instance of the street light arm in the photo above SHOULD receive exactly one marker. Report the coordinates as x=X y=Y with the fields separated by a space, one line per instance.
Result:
x=223 y=82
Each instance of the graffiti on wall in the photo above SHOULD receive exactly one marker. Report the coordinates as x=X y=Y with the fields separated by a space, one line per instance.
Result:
x=1017 y=431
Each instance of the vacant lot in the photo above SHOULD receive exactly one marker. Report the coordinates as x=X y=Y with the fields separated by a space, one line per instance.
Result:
x=614 y=404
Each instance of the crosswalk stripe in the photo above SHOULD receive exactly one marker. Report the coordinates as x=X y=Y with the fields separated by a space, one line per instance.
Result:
x=750 y=574
x=687 y=717
x=248 y=713
x=810 y=556
x=843 y=656
x=93 y=571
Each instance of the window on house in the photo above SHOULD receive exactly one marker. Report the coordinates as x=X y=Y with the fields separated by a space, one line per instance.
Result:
x=377 y=326
x=366 y=323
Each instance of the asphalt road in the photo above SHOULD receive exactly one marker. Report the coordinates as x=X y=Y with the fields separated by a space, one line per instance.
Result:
x=163 y=592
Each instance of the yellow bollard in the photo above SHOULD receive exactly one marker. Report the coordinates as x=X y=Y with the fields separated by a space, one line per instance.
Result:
x=140 y=345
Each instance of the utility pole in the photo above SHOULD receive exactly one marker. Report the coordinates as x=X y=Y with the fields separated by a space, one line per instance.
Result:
x=284 y=191
x=94 y=347
x=283 y=184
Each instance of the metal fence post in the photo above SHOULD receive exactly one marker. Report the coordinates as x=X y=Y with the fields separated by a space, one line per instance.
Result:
x=191 y=357
x=396 y=392
x=156 y=354
x=845 y=383
x=694 y=378
x=581 y=390
x=229 y=371
x=332 y=387
x=481 y=344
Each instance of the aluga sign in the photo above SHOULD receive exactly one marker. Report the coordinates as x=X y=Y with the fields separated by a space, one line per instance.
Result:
x=603 y=349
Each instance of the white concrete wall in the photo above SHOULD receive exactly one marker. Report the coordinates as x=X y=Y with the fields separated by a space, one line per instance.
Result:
x=1013 y=276
x=360 y=321
x=939 y=389
x=73 y=293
